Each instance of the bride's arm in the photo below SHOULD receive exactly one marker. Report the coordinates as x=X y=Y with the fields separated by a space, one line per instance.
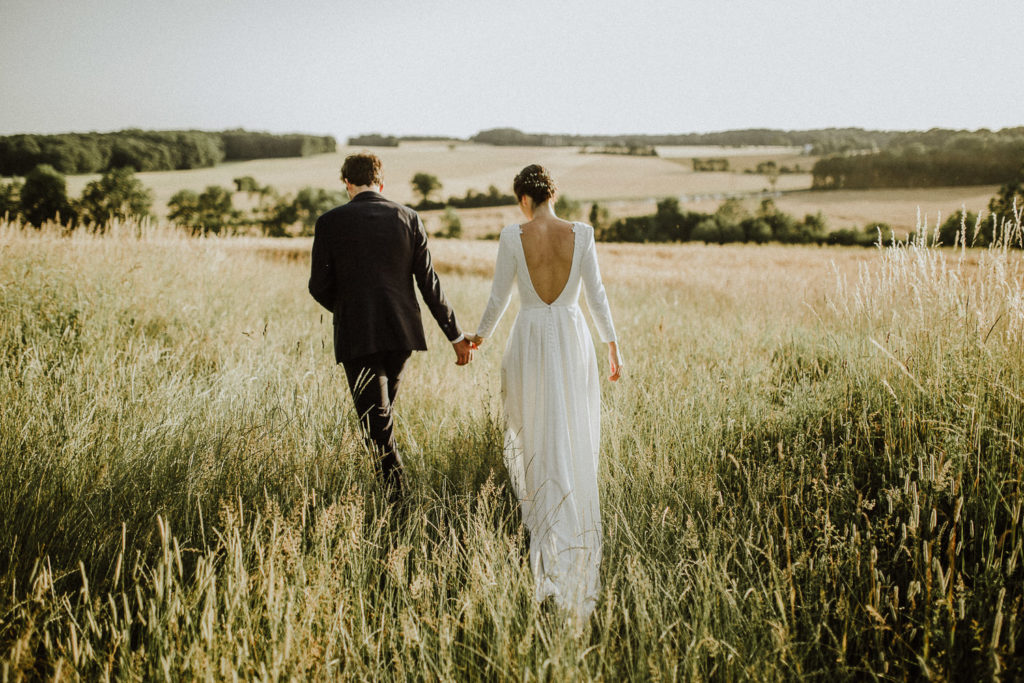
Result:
x=501 y=287
x=597 y=302
x=593 y=290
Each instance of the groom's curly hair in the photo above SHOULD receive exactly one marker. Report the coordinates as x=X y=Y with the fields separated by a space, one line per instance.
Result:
x=362 y=169
x=535 y=182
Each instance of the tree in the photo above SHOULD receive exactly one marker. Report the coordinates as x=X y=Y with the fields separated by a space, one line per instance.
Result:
x=307 y=205
x=567 y=208
x=183 y=209
x=44 y=197
x=629 y=229
x=770 y=170
x=598 y=217
x=1009 y=201
x=216 y=211
x=247 y=184
x=815 y=226
x=756 y=230
x=118 y=195
x=424 y=184
x=278 y=217
x=707 y=231
x=310 y=202
x=964 y=229
x=852 y=238
x=451 y=224
x=672 y=225
x=729 y=215
x=208 y=212
x=10 y=202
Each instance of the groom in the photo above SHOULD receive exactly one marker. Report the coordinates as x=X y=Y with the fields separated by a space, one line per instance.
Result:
x=366 y=254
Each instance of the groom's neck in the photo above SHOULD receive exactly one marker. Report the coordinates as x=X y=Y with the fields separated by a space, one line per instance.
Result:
x=353 y=190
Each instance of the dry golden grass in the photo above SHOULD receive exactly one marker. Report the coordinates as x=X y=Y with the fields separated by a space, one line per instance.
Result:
x=811 y=470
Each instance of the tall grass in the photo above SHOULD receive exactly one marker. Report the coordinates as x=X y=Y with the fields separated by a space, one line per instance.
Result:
x=802 y=476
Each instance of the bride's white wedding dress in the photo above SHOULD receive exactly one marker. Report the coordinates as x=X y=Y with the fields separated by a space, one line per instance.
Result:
x=551 y=394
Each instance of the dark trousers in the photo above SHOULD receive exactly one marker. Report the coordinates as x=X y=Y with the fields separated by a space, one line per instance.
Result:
x=373 y=381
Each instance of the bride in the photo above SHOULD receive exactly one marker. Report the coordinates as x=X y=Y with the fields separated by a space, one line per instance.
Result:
x=550 y=391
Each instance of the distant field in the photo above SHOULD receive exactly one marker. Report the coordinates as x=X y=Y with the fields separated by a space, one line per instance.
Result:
x=625 y=185
x=897 y=207
x=466 y=166
x=742 y=158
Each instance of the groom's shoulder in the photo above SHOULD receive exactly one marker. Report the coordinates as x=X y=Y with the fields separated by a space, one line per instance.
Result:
x=372 y=205
x=375 y=204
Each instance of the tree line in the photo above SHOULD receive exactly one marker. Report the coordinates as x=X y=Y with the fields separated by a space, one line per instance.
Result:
x=119 y=196
x=818 y=142
x=213 y=211
x=821 y=141
x=142 y=150
x=732 y=222
x=43 y=197
x=967 y=159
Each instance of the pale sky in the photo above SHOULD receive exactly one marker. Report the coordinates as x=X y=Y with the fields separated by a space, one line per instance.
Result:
x=455 y=67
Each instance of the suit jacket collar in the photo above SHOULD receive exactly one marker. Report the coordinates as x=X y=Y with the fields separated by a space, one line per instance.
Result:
x=367 y=195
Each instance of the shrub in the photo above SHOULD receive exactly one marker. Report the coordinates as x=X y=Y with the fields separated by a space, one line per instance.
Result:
x=598 y=217
x=708 y=231
x=118 y=195
x=568 y=208
x=474 y=199
x=851 y=238
x=631 y=229
x=965 y=229
x=10 y=199
x=208 y=212
x=756 y=230
x=451 y=224
x=44 y=197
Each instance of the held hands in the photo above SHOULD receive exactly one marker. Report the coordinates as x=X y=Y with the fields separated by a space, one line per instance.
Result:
x=614 y=362
x=463 y=351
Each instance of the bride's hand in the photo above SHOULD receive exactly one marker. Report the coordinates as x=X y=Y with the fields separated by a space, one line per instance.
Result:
x=475 y=339
x=614 y=362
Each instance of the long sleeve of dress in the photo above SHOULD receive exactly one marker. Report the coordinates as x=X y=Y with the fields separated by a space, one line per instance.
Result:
x=593 y=290
x=501 y=288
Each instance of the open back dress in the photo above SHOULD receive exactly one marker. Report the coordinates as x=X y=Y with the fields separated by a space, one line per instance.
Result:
x=552 y=407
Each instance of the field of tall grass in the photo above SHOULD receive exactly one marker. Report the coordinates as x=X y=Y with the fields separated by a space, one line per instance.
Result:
x=813 y=469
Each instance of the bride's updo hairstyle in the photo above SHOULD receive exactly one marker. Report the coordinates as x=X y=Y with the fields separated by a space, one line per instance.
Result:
x=535 y=182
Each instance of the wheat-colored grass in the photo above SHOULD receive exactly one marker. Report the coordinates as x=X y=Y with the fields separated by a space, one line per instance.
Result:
x=811 y=470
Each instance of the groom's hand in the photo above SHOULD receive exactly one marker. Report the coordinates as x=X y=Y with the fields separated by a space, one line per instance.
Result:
x=463 y=352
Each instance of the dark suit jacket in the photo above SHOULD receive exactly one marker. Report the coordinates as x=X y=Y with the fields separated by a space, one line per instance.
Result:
x=366 y=255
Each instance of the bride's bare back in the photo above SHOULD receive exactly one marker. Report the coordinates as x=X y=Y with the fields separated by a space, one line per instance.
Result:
x=548 y=245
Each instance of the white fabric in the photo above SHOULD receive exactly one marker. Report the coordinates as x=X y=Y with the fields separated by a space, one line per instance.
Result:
x=552 y=404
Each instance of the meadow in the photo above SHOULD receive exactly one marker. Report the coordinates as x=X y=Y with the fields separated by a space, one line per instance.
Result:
x=812 y=469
